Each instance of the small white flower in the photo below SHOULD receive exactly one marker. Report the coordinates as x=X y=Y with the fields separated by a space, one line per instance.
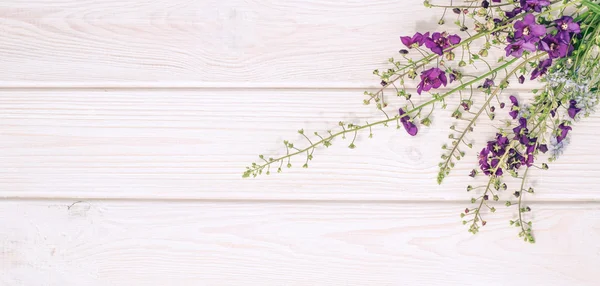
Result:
x=556 y=148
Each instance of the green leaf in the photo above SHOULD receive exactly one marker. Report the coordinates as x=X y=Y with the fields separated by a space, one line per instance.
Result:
x=592 y=6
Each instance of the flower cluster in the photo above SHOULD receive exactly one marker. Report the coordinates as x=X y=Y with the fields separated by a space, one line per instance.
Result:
x=542 y=40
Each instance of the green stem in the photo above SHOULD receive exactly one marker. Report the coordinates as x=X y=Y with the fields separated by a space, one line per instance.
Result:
x=444 y=168
x=385 y=121
x=521 y=196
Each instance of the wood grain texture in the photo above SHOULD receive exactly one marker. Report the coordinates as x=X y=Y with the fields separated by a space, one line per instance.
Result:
x=183 y=42
x=183 y=243
x=125 y=127
x=195 y=144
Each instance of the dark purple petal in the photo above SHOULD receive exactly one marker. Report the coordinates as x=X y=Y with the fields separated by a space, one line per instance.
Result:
x=541 y=69
x=564 y=131
x=543 y=148
x=573 y=110
x=454 y=39
x=513 y=13
x=432 y=78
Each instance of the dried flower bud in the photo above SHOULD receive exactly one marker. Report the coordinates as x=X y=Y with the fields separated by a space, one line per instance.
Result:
x=485 y=4
x=456 y=10
x=403 y=51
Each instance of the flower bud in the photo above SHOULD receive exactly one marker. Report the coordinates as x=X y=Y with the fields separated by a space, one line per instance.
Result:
x=412 y=74
x=450 y=56
x=462 y=64
x=483 y=53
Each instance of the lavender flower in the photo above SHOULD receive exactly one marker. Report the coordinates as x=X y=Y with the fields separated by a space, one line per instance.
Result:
x=415 y=41
x=439 y=42
x=566 y=27
x=554 y=47
x=432 y=78
x=528 y=29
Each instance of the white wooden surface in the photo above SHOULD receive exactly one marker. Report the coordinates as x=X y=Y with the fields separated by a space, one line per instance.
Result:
x=125 y=125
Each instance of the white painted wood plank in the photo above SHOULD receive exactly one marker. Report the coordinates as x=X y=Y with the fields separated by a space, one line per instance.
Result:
x=194 y=144
x=183 y=42
x=132 y=243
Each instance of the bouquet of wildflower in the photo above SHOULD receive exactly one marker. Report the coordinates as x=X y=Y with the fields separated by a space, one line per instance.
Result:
x=555 y=43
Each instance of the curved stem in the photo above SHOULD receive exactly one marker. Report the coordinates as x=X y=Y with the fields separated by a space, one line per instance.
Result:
x=325 y=140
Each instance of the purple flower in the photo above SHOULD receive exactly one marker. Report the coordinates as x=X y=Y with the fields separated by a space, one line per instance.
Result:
x=432 y=78
x=535 y=5
x=564 y=130
x=498 y=146
x=530 y=157
x=566 y=27
x=515 y=160
x=488 y=157
x=554 y=47
x=439 y=42
x=513 y=13
x=488 y=83
x=494 y=165
x=573 y=110
x=409 y=126
x=528 y=29
x=416 y=41
x=514 y=110
x=543 y=148
x=541 y=69
x=521 y=131
x=454 y=75
x=517 y=48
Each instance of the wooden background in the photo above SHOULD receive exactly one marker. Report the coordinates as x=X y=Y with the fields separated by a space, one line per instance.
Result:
x=125 y=127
